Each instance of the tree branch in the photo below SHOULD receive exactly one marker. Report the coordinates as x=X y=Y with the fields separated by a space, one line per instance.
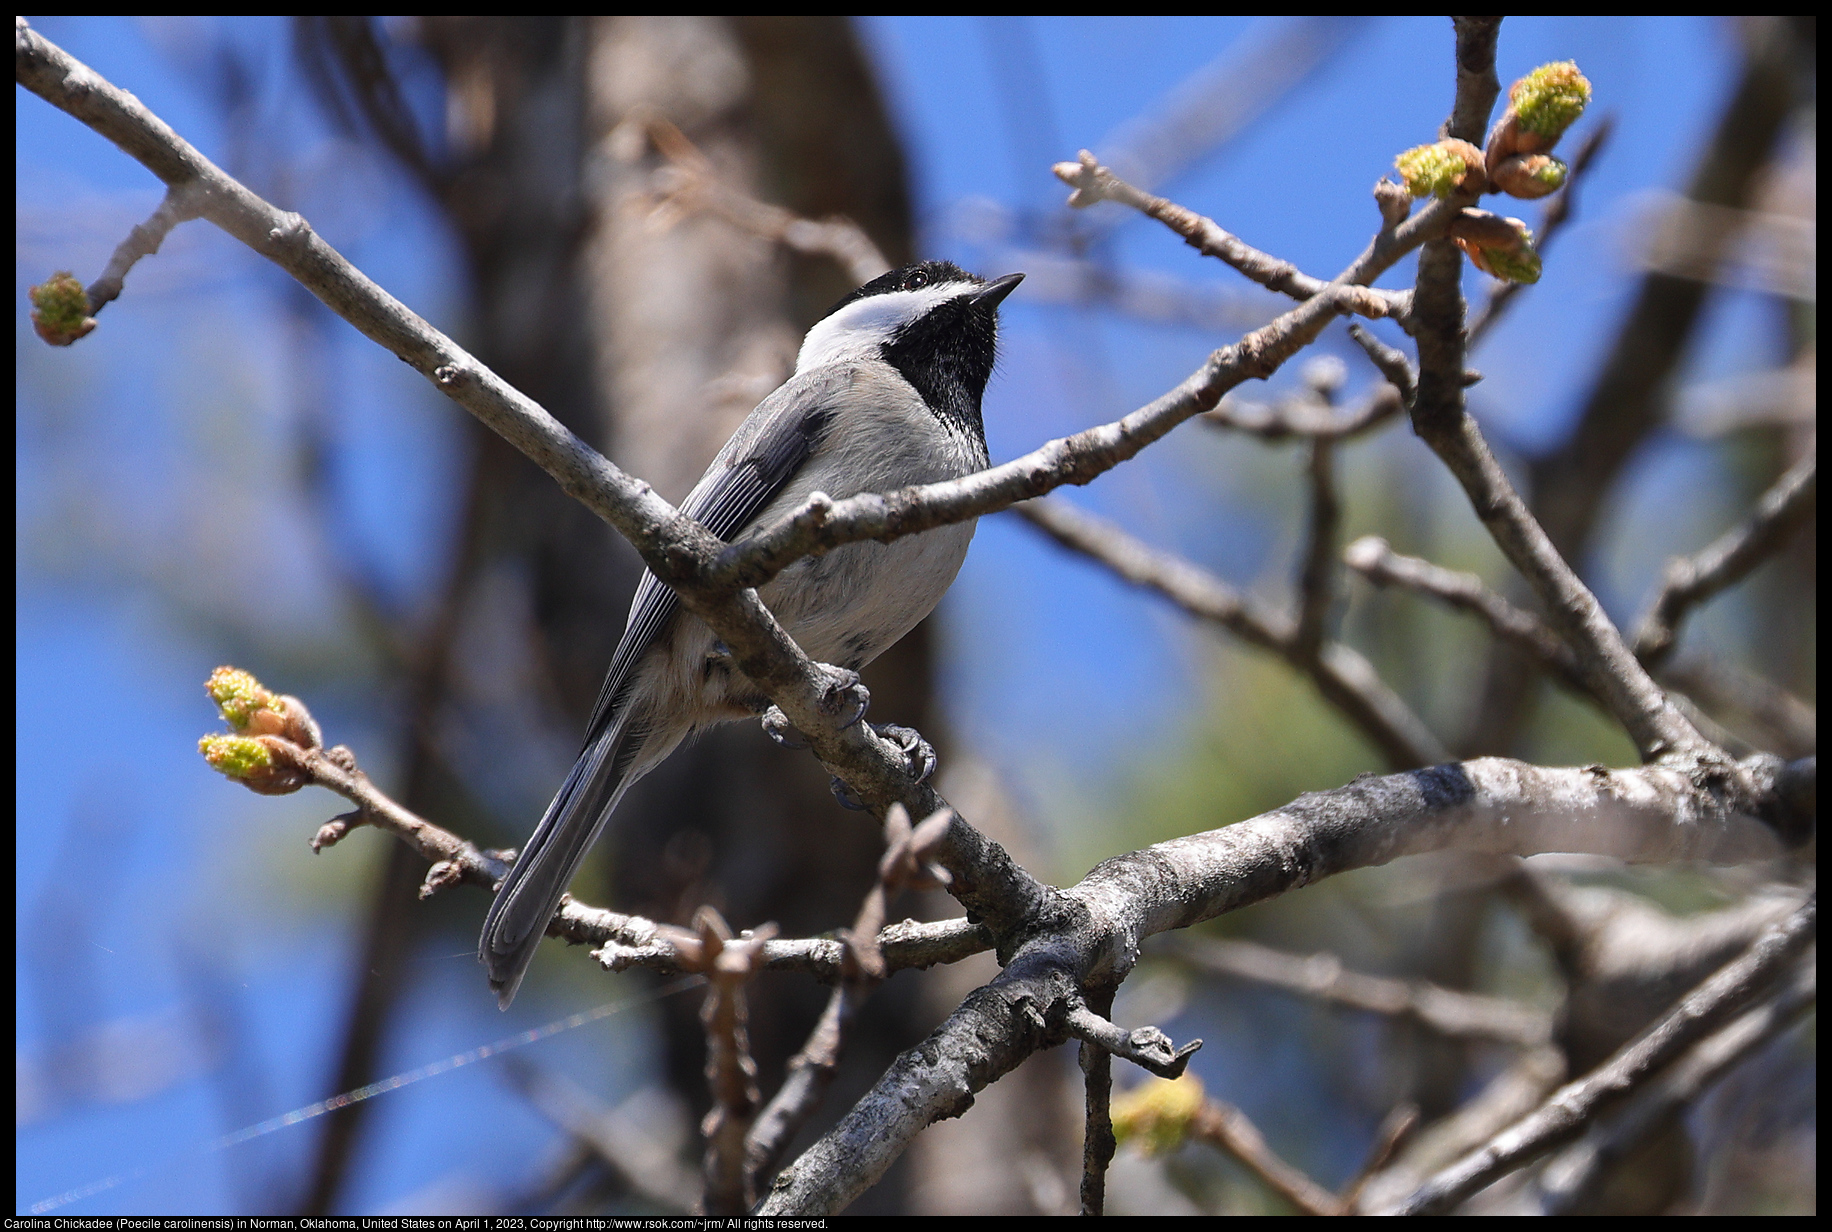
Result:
x=1452 y=1014
x=1342 y=676
x=1575 y=1105
x=1373 y=558
x=1228 y=1129
x=1492 y=805
x=1440 y=417
x=1691 y=580
x=689 y=184
x=1572 y=1177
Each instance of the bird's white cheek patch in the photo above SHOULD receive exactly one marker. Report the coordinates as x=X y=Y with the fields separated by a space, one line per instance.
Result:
x=861 y=327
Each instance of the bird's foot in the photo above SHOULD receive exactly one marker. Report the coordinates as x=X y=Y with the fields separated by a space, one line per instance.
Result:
x=843 y=697
x=917 y=752
x=919 y=756
x=777 y=727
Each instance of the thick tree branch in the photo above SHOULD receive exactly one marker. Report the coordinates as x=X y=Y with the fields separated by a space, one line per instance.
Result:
x=1492 y=805
x=1573 y=1107
x=1343 y=676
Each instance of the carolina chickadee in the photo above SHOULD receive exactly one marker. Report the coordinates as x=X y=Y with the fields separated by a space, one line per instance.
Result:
x=886 y=394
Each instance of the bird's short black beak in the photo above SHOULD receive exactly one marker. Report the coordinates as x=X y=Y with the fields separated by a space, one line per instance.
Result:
x=988 y=297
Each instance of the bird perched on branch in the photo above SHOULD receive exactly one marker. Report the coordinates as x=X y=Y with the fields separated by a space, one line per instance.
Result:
x=886 y=394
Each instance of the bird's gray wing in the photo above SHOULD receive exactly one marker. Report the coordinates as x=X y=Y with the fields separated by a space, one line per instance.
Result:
x=760 y=459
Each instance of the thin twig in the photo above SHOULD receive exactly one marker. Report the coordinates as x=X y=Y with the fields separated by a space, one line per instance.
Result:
x=904 y=865
x=1302 y=417
x=1374 y=559
x=178 y=205
x=1691 y=580
x=728 y=963
x=1448 y=1012
x=1574 y=1106
x=641 y=1159
x=1395 y=1130
x=690 y=184
x=1782 y=720
x=1098 y=1144
x=1317 y=571
x=1346 y=679
x=1227 y=1128
x=1572 y=1178
x=1708 y=692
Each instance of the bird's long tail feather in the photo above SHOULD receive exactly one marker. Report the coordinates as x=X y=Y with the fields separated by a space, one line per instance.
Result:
x=530 y=894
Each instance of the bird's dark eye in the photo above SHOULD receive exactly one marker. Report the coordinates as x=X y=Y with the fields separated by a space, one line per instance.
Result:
x=916 y=281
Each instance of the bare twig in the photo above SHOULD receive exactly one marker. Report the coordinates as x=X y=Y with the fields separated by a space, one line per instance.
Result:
x=1373 y=558
x=1571 y=1178
x=1227 y=1128
x=1574 y=1106
x=178 y=205
x=641 y=1159
x=905 y=864
x=1097 y=1143
x=1691 y=580
x=1784 y=722
x=689 y=184
x=1146 y=1047
x=1317 y=571
x=1453 y=1014
x=1303 y=417
x=1344 y=678
x=728 y=963
x=1395 y=1130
